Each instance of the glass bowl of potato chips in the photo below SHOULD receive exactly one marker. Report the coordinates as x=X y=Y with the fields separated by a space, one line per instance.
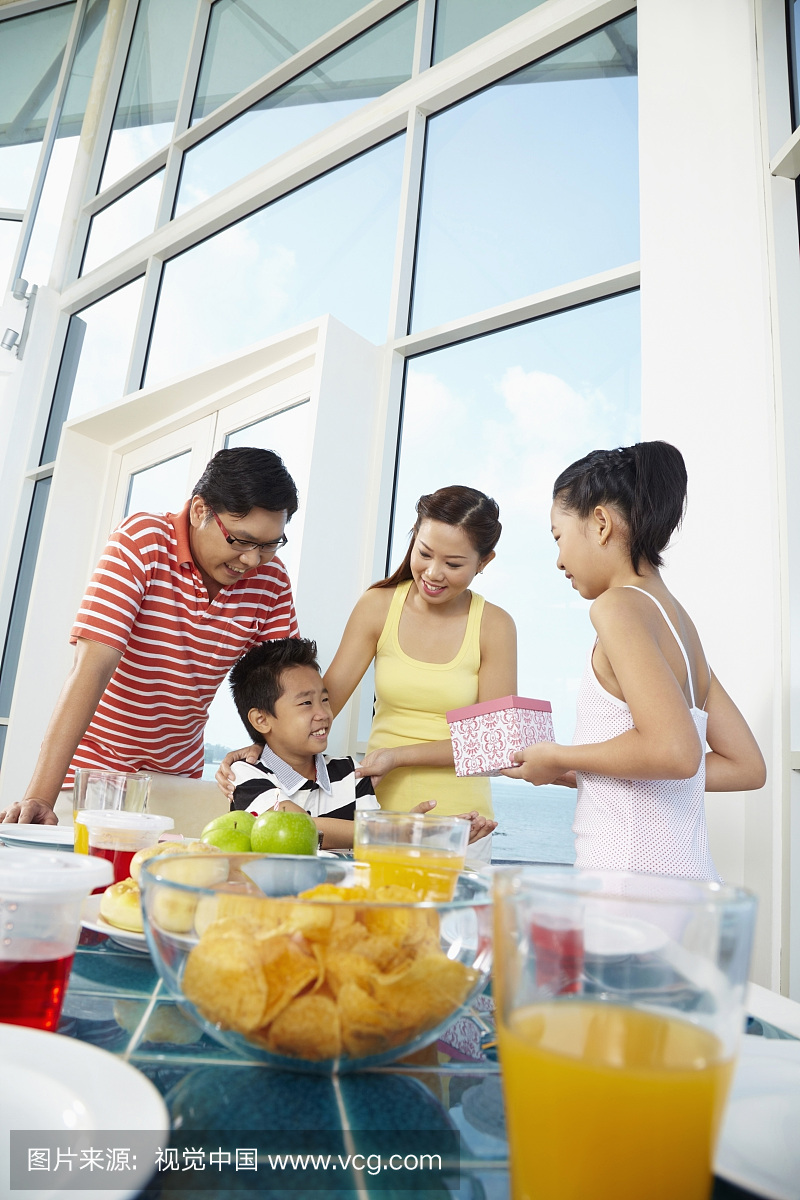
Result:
x=335 y=975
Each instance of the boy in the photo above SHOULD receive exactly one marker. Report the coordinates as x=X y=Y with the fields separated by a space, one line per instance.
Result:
x=279 y=694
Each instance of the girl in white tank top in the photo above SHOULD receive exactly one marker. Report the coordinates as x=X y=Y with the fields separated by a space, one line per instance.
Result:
x=639 y=757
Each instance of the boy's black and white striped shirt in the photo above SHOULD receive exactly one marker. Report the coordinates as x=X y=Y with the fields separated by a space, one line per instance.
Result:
x=259 y=788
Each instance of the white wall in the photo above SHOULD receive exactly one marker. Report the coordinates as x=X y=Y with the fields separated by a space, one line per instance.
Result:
x=342 y=373
x=709 y=387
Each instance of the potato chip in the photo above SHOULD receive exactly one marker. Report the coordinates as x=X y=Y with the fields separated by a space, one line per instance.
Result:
x=404 y=925
x=366 y=1027
x=307 y=1028
x=345 y=966
x=258 y=911
x=427 y=992
x=329 y=891
x=224 y=979
x=287 y=969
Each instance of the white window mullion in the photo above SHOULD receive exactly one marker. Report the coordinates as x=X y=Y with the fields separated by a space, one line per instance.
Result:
x=423 y=46
x=786 y=162
x=69 y=251
x=408 y=216
x=144 y=323
x=49 y=138
x=501 y=316
x=183 y=115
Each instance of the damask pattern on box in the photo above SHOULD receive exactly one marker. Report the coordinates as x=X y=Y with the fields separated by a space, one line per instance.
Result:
x=485 y=736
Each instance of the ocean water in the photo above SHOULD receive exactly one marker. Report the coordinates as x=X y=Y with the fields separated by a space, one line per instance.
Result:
x=534 y=824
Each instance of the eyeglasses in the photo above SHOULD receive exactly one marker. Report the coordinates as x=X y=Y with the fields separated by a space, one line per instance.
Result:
x=245 y=547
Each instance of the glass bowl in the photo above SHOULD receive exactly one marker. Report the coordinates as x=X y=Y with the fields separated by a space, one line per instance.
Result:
x=339 y=978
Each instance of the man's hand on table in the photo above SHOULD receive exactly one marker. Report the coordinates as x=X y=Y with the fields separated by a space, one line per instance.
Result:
x=28 y=812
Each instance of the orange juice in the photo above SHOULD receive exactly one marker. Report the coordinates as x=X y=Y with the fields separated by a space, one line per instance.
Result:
x=611 y=1103
x=432 y=873
x=81 y=835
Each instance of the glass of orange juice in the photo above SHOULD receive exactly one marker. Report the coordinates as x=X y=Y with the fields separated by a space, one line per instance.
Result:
x=125 y=791
x=620 y=1004
x=414 y=850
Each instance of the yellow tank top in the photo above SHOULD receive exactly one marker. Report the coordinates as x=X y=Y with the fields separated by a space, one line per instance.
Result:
x=412 y=698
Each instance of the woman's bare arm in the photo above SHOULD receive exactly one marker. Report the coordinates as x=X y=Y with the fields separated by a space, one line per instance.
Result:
x=735 y=763
x=498 y=671
x=357 y=647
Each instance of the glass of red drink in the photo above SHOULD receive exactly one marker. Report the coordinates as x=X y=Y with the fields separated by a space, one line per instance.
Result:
x=116 y=836
x=40 y=914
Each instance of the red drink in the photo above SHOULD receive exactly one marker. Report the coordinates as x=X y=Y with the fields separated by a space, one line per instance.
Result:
x=119 y=859
x=32 y=993
x=558 y=954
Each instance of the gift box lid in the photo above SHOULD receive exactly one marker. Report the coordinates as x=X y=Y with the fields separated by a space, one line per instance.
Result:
x=477 y=710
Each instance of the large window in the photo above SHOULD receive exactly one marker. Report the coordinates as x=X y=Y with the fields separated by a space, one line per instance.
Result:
x=151 y=85
x=506 y=413
x=31 y=49
x=328 y=247
x=313 y=164
x=370 y=65
x=533 y=182
x=248 y=38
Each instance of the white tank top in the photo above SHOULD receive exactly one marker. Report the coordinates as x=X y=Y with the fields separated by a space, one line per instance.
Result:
x=652 y=825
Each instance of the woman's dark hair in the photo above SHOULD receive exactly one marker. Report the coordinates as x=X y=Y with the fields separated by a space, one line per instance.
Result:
x=256 y=678
x=463 y=507
x=238 y=480
x=645 y=482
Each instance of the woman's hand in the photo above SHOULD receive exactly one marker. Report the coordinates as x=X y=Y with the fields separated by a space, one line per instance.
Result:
x=377 y=764
x=224 y=775
x=539 y=764
x=424 y=806
x=479 y=826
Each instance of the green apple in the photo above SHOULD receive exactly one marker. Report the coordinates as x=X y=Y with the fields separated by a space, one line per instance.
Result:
x=284 y=833
x=241 y=821
x=232 y=841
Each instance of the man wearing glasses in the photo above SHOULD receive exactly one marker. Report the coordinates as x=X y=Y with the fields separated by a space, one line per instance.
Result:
x=175 y=600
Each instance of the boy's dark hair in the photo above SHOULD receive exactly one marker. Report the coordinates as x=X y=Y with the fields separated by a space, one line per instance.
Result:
x=645 y=482
x=238 y=480
x=256 y=678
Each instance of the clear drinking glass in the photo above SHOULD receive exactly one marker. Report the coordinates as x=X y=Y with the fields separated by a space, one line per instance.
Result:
x=117 y=836
x=40 y=907
x=94 y=789
x=620 y=1004
x=414 y=850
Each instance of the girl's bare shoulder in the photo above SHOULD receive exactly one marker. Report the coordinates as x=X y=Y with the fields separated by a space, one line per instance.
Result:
x=619 y=607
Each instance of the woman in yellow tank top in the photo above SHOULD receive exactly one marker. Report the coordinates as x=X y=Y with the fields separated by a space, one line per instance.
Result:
x=437 y=646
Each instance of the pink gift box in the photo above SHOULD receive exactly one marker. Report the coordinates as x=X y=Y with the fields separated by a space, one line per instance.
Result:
x=486 y=735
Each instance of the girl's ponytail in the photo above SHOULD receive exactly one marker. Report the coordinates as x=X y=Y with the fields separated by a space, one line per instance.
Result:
x=645 y=482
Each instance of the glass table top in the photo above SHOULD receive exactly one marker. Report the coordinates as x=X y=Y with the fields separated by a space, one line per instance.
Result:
x=116 y=1001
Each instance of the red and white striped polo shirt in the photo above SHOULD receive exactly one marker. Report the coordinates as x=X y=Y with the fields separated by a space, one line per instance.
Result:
x=148 y=600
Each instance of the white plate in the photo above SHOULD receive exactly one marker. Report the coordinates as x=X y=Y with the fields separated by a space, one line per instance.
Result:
x=58 y=1083
x=621 y=937
x=91 y=919
x=36 y=835
x=759 y=1147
